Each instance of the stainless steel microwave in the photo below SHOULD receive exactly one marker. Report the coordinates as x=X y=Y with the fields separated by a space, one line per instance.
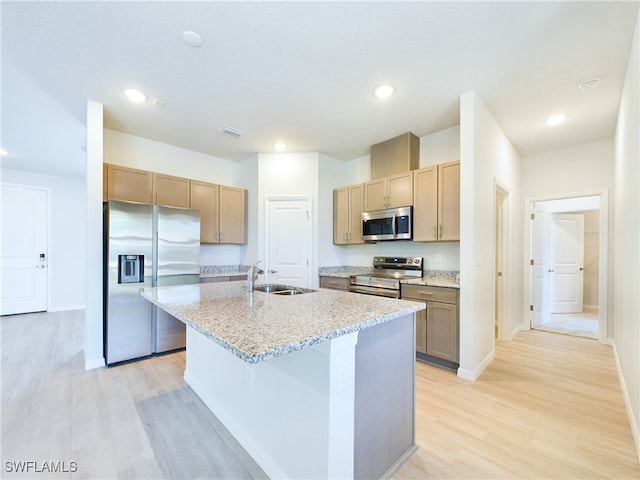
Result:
x=389 y=224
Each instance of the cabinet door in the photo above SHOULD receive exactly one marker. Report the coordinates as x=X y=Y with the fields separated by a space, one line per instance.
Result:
x=232 y=215
x=356 y=205
x=170 y=191
x=341 y=216
x=400 y=190
x=204 y=197
x=421 y=331
x=449 y=201
x=129 y=184
x=375 y=195
x=335 y=283
x=425 y=204
x=442 y=331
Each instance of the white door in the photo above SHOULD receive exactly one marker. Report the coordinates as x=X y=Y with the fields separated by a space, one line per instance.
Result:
x=540 y=270
x=23 y=249
x=288 y=241
x=567 y=257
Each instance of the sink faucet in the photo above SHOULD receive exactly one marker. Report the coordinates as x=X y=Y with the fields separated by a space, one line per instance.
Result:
x=252 y=276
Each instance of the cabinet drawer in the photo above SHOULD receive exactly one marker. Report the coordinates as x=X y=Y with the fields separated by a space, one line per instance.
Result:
x=335 y=283
x=430 y=294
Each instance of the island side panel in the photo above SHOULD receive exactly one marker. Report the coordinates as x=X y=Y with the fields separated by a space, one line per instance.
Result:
x=293 y=414
x=384 y=397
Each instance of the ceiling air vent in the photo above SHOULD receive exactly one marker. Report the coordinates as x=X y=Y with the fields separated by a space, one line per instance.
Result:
x=234 y=132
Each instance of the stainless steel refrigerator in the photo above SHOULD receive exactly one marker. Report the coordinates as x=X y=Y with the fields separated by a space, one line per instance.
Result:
x=144 y=246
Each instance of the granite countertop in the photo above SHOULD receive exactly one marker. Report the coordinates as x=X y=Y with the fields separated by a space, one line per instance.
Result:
x=258 y=326
x=432 y=278
x=210 y=271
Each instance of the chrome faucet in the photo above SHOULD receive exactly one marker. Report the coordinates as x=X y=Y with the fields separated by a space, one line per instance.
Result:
x=252 y=276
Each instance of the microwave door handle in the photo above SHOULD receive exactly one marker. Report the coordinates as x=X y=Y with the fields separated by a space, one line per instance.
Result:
x=394 y=226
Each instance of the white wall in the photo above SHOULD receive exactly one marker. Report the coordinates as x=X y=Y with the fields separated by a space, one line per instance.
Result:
x=289 y=175
x=66 y=285
x=579 y=168
x=626 y=271
x=93 y=315
x=486 y=157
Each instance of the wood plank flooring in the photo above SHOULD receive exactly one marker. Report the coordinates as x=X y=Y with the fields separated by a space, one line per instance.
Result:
x=549 y=406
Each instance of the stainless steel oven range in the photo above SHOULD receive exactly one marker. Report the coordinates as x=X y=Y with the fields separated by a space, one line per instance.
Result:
x=386 y=276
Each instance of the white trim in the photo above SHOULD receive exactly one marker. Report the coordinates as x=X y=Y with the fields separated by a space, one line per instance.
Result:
x=65 y=308
x=504 y=307
x=473 y=375
x=627 y=401
x=603 y=286
x=95 y=363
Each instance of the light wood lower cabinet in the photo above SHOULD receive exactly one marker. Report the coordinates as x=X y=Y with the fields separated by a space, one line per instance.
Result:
x=335 y=283
x=437 y=336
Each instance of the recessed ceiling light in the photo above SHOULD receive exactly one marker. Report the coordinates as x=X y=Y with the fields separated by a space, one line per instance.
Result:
x=589 y=84
x=384 y=91
x=280 y=146
x=192 y=38
x=556 y=119
x=134 y=95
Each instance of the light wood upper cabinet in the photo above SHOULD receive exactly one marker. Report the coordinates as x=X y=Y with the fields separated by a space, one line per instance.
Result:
x=389 y=192
x=395 y=156
x=233 y=207
x=347 y=214
x=170 y=191
x=425 y=204
x=449 y=201
x=129 y=184
x=204 y=197
x=436 y=203
x=222 y=212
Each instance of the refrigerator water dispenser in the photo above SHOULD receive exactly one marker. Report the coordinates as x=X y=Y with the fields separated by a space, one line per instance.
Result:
x=130 y=268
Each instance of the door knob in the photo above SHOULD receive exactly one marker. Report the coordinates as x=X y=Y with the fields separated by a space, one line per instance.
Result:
x=551 y=271
x=581 y=269
x=273 y=271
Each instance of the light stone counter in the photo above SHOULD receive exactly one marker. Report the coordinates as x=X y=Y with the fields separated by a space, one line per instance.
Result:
x=259 y=326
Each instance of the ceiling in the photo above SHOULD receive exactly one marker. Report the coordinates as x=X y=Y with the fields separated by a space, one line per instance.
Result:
x=303 y=73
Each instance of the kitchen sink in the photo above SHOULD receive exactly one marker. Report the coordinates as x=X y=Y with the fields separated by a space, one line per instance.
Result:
x=282 y=289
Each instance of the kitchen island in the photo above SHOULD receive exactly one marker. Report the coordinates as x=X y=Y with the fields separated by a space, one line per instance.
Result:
x=315 y=385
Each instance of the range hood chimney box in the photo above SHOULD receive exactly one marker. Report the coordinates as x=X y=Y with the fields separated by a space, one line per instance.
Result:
x=396 y=155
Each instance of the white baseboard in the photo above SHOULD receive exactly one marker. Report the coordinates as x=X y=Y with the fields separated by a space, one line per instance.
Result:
x=65 y=308
x=473 y=375
x=514 y=332
x=627 y=401
x=94 y=363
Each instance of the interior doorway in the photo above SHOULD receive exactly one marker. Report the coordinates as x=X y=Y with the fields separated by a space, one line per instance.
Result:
x=568 y=258
x=501 y=243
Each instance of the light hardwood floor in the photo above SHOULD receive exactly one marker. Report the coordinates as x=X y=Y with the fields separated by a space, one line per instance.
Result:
x=549 y=406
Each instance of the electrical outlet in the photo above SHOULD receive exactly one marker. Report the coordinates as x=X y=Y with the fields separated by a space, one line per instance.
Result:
x=438 y=257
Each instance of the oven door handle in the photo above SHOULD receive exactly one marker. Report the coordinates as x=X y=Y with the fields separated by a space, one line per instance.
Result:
x=394 y=226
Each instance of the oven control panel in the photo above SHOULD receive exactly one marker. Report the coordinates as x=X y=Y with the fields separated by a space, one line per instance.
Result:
x=409 y=263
